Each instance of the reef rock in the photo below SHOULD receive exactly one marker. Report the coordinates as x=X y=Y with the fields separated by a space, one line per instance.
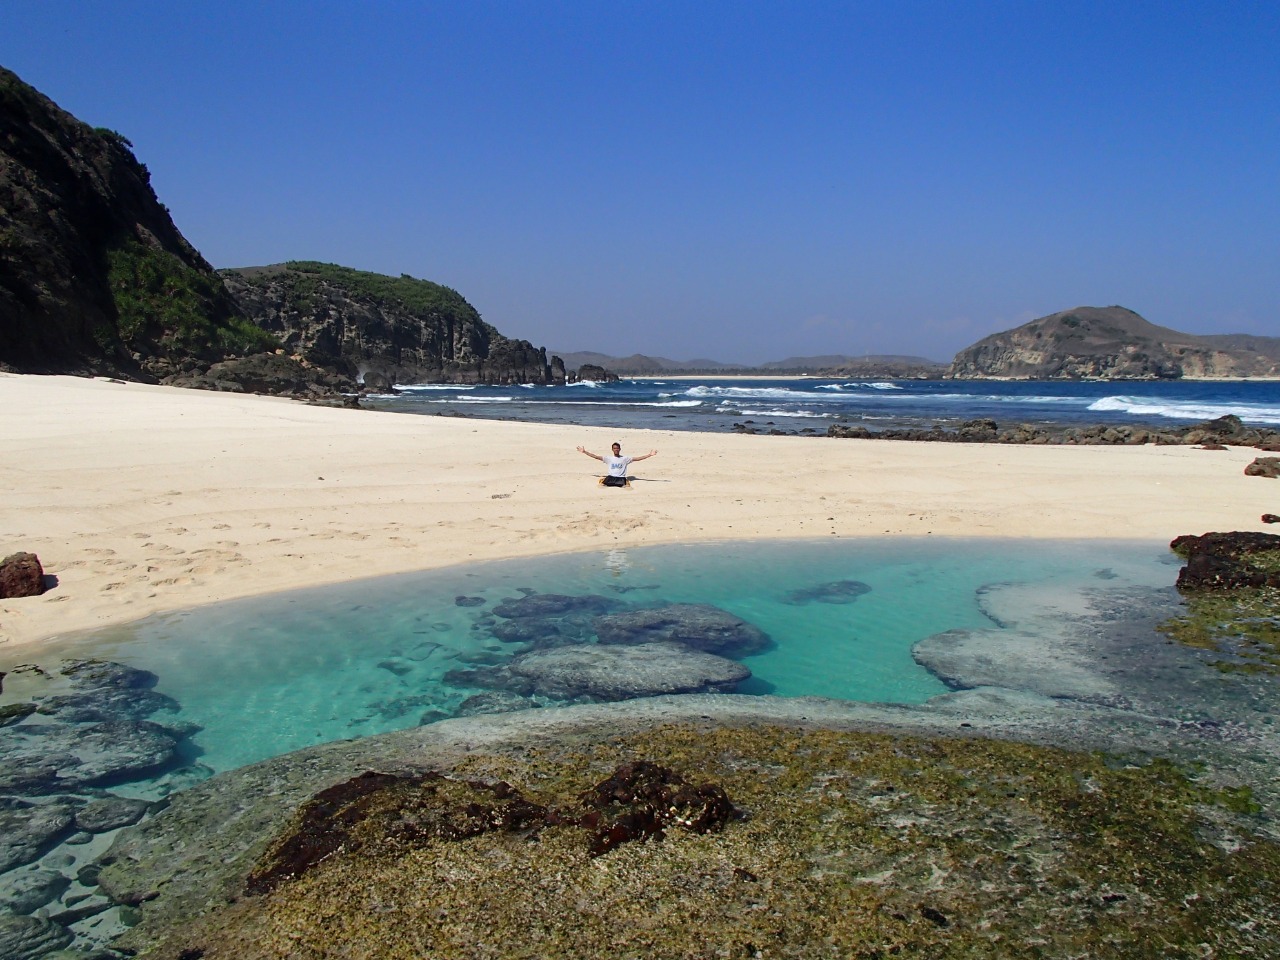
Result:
x=51 y=758
x=21 y=576
x=1227 y=561
x=700 y=626
x=111 y=813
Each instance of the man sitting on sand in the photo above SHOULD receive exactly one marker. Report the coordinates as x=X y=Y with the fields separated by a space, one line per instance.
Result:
x=617 y=464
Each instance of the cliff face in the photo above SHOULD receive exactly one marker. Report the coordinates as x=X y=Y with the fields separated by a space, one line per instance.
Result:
x=1113 y=343
x=94 y=276
x=383 y=329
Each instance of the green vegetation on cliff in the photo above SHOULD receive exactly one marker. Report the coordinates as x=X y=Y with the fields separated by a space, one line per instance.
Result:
x=418 y=297
x=160 y=298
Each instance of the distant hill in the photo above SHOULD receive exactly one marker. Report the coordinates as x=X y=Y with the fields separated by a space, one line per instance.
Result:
x=1113 y=343
x=835 y=365
x=638 y=364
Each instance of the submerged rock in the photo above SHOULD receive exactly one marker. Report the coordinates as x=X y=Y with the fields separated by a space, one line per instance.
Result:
x=25 y=891
x=29 y=830
x=30 y=938
x=700 y=626
x=595 y=672
x=553 y=605
x=495 y=701
x=837 y=591
x=50 y=758
x=111 y=813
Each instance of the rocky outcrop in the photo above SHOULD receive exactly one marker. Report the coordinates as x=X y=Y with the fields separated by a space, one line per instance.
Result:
x=1212 y=434
x=382 y=329
x=1113 y=343
x=94 y=276
x=1263 y=467
x=1227 y=561
x=21 y=576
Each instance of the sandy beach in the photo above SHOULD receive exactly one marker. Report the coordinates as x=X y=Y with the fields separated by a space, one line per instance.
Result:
x=140 y=499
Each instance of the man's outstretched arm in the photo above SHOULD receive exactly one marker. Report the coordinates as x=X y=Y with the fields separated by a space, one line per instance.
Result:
x=643 y=456
x=595 y=456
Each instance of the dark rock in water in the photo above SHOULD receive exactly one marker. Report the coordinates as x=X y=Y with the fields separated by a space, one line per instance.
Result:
x=97 y=674
x=105 y=704
x=395 y=666
x=14 y=712
x=697 y=625
x=1227 y=561
x=1263 y=467
x=495 y=701
x=528 y=630
x=468 y=601
x=21 y=576
x=615 y=672
x=111 y=813
x=548 y=619
x=25 y=891
x=30 y=938
x=29 y=830
x=837 y=591
x=54 y=757
x=1270 y=518
x=554 y=605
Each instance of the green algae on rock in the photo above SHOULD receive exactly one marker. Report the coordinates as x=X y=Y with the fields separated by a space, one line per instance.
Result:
x=854 y=845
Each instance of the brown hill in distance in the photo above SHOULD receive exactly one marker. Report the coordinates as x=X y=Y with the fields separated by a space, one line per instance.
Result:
x=1113 y=343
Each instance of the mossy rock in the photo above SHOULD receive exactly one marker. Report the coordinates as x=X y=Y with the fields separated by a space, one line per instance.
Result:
x=852 y=845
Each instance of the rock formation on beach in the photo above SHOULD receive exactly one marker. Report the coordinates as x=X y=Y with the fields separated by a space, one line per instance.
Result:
x=382 y=329
x=1113 y=343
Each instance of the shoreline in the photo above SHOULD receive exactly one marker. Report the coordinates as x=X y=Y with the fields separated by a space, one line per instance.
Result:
x=142 y=499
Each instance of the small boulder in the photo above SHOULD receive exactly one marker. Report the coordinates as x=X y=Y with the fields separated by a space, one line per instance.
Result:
x=21 y=576
x=30 y=938
x=1261 y=467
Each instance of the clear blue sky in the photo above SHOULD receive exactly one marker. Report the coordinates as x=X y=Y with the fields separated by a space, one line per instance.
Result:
x=742 y=181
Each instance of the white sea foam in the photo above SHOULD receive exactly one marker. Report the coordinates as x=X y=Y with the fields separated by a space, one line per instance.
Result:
x=593 y=384
x=860 y=385
x=434 y=386
x=744 y=412
x=1185 y=409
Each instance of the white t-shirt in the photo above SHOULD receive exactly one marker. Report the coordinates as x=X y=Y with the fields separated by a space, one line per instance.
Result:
x=617 y=465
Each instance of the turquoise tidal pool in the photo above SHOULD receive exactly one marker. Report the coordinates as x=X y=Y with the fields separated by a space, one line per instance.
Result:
x=839 y=619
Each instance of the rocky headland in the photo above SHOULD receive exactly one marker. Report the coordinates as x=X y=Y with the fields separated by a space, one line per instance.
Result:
x=1113 y=343
x=95 y=279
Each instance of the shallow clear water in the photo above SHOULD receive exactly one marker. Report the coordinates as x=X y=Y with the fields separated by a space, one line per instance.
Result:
x=270 y=675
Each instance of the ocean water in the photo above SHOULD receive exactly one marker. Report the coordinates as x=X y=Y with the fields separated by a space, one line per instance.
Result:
x=269 y=675
x=812 y=404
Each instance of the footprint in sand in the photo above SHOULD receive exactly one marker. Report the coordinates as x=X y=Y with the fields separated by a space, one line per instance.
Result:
x=222 y=526
x=100 y=551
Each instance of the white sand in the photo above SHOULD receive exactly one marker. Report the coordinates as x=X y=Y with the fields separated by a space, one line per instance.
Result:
x=142 y=499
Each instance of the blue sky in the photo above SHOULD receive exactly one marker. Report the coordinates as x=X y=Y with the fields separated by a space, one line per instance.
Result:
x=742 y=181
